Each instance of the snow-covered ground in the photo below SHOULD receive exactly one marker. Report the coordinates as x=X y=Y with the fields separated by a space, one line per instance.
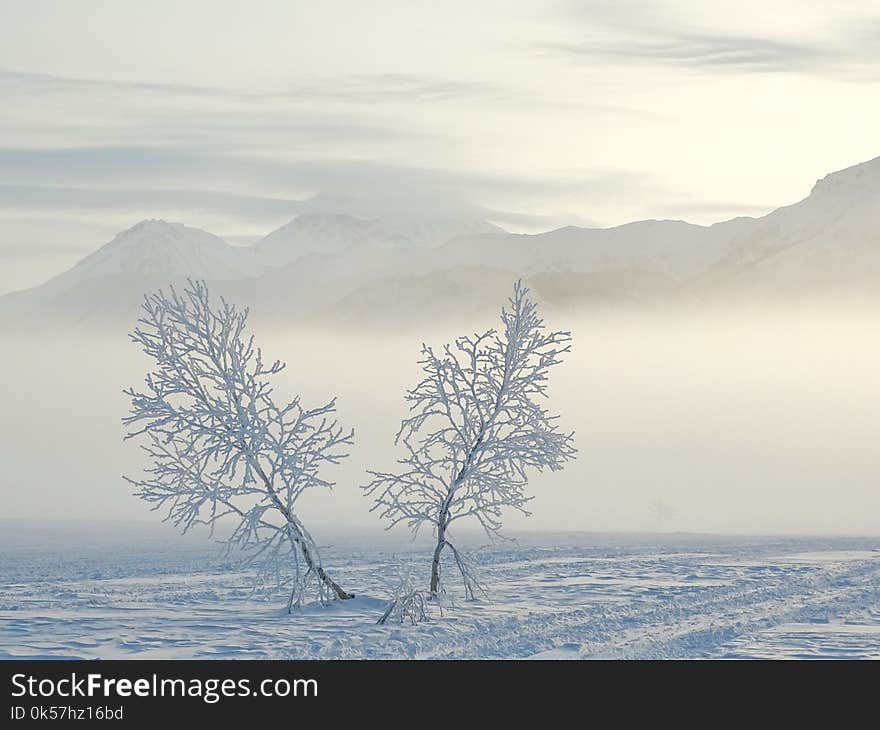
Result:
x=153 y=595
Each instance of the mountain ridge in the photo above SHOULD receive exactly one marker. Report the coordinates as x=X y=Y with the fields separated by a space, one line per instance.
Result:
x=326 y=263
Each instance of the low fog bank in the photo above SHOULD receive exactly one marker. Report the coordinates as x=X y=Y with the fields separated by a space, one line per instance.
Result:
x=729 y=421
x=73 y=538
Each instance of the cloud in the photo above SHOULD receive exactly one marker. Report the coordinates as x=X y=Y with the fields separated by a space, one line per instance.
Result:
x=626 y=32
x=103 y=179
x=723 y=52
x=24 y=198
x=87 y=145
x=351 y=89
x=83 y=112
x=388 y=87
x=46 y=176
x=29 y=84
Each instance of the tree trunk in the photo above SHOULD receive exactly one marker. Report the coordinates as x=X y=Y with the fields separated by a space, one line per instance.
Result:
x=435 y=564
x=300 y=536
x=443 y=519
x=341 y=594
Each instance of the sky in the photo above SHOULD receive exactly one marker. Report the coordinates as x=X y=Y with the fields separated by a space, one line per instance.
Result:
x=534 y=115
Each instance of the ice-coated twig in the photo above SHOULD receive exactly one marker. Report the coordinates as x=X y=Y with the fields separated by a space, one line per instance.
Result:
x=408 y=604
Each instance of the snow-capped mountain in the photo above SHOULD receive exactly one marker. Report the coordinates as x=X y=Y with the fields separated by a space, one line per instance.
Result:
x=345 y=267
x=828 y=241
x=314 y=234
x=157 y=249
x=150 y=254
x=337 y=233
x=671 y=248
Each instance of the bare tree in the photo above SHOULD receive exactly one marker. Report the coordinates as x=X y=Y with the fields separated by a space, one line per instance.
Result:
x=218 y=443
x=475 y=429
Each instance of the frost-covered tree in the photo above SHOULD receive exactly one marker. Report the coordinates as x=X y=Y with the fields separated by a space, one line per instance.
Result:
x=219 y=445
x=476 y=429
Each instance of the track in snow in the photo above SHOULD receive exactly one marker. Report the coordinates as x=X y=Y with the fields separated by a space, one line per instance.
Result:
x=551 y=597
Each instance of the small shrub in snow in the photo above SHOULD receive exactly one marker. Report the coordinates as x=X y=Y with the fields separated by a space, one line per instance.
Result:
x=408 y=604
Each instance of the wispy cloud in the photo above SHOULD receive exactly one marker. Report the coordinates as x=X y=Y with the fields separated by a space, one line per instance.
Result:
x=347 y=113
x=353 y=88
x=626 y=32
x=701 y=50
x=96 y=182
x=388 y=87
x=68 y=199
x=27 y=84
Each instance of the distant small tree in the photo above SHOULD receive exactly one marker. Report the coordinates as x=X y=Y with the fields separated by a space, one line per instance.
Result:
x=476 y=429
x=662 y=511
x=219 y=444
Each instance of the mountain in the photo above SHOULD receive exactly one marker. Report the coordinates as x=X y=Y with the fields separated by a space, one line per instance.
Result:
x=671 y=248
x=156 y=249
x=338 y=233
x=827 y=243
x=150 y=254
x=330 y=266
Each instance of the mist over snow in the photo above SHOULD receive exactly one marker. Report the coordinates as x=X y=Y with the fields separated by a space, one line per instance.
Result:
x=727 y=372
x=746 y=424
